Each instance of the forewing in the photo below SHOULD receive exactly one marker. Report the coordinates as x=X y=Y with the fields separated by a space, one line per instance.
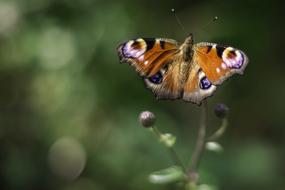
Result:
x=148 y=55
x=219 y=62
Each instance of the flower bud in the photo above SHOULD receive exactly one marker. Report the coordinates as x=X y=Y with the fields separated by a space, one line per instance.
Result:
x=147 y=119
x=221 y=110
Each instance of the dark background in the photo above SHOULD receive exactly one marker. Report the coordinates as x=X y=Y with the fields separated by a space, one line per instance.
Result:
x=69 y=110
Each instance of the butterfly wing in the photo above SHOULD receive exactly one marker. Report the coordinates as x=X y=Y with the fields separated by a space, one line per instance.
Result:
x=219 y=62
x=166 y=83
x=197 y=86
x=148 y=55
x=211 y=65
x=156 y=61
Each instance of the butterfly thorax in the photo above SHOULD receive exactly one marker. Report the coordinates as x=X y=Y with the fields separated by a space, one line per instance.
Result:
x=186 y=48
x=187 y=57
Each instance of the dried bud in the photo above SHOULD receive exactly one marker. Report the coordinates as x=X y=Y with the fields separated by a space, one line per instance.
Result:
x=221 y=110
x=147 y=119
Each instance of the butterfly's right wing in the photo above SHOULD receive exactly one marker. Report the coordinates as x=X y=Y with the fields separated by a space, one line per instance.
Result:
x=219 y=62
x=212 y=64
x=197 y=86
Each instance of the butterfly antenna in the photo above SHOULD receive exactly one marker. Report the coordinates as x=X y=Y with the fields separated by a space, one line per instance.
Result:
x=200 y=30
x=178 y=20
x=210 y=22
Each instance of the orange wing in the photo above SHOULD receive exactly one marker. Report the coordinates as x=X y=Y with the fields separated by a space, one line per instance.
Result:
x=166 y=83
x=157 y=61
x=148 y=55
x=219 y=62
x=197 y=86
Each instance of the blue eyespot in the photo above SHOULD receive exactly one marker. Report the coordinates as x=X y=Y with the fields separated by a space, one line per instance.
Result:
x=238 y=64
x=157 y=78
x=205 y=83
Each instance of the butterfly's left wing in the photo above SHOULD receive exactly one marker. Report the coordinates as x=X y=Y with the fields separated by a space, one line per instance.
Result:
x=148 y=55
x=156 y=60
x=219 y=62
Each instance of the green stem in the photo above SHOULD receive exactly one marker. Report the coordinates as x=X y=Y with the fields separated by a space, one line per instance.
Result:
x=199 y=147
x=220 y=131
x=156 y=132
x=176 y=158
x=177 y=161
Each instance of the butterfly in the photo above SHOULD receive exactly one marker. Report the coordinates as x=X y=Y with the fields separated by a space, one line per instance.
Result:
x=185 y=71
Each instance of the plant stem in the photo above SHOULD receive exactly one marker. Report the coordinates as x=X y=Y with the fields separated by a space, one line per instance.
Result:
x=220 y=131
x=199 y=147
x=156 y=132
x=176 y=158
x=171 y=149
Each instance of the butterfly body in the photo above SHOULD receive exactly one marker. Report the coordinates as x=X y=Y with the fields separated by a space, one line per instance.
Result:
x=187 y=71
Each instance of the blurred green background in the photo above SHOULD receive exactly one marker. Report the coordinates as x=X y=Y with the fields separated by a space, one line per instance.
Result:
x=69 y=110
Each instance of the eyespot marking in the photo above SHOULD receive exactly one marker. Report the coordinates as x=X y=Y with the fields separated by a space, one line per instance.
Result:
x=233 y=58
x=157 y=78
x=205 y=83
x=239 y=61
x=133 y=49
x=136 y=45
x=231 y=54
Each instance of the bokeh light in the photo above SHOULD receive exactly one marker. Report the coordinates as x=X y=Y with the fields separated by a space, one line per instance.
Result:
x=9 y=17
x=67 y=158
